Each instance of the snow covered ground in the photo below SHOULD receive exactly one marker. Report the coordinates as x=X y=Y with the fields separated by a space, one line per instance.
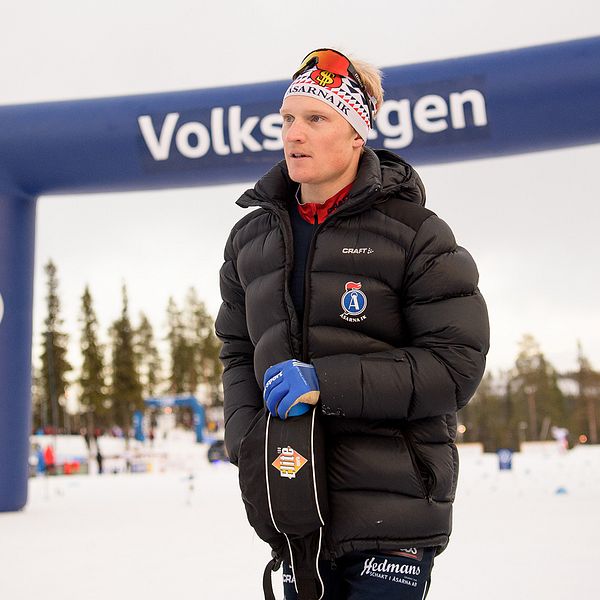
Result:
x=165 y=535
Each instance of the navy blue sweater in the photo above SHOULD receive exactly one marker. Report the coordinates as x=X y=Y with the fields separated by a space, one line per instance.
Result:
x=302 y=232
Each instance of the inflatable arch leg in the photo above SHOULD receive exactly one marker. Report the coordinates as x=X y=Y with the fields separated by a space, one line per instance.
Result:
x=17 y=242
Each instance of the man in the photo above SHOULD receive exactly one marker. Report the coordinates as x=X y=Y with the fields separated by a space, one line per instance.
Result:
x=342 y=294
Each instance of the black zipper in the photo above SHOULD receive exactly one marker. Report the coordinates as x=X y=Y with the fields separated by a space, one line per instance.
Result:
x=418 y=463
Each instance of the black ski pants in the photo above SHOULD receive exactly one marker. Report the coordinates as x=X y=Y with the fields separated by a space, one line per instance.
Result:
x=403 y=575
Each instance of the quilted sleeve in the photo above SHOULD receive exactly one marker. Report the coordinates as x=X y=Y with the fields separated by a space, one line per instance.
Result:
x=242 y=395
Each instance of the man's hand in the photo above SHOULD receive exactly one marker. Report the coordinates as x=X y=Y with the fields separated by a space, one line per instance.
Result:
x=290 y=387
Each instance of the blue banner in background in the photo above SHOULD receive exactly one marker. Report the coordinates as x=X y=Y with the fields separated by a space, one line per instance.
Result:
x=463 y=108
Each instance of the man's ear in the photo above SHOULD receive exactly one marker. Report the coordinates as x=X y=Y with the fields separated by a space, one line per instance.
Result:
x=357 y=142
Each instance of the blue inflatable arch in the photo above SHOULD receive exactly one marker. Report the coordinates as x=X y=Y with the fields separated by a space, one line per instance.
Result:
x=180 y=401
x=494 y=104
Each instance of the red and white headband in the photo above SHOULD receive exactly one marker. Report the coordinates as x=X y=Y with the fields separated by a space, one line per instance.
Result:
x=342 y=93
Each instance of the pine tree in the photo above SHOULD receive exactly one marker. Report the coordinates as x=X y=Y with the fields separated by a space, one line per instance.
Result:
x=51 y=381
x=92 y=381
x=38 y=402
x=205 y=346
x=126 y=388
x=148 y=357
x=488 y=416
x=585 y=410
x=179 y=351
x=537 y=399
x=194 y=352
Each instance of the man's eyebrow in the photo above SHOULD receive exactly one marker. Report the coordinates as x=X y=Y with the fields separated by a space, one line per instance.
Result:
x=314 y=111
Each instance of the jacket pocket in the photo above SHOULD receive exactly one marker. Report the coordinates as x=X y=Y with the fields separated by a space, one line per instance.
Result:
x=248 y=431
x=455 y=465
x=424 y=472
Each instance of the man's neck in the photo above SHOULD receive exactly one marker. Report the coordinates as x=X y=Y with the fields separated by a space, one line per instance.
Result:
x=320 y=193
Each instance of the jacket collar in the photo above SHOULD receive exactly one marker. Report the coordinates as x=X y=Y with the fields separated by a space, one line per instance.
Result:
x=381 y=175
x=310 y=211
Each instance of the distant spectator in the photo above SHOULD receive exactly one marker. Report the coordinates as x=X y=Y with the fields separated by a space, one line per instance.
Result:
x=49 y=460
x=561 y=435
x=99 y=457
x=41 y=463
x=87 y=437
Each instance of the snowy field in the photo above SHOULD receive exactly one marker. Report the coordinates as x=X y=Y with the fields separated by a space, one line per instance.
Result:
x=159 y=536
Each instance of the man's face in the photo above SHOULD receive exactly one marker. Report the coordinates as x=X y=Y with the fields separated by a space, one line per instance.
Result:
x=320 y=146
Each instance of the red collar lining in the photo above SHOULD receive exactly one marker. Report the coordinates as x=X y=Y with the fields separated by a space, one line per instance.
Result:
x=308 y=210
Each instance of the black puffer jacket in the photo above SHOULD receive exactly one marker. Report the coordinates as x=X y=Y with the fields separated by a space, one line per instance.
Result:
x=392 y=376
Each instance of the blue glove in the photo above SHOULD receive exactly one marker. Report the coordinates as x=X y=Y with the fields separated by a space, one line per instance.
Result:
x=290 y=387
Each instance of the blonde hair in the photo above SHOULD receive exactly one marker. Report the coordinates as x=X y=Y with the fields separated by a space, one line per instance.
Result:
x=371 y=77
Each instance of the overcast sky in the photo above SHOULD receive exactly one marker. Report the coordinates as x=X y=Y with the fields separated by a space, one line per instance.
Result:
x=530 y=221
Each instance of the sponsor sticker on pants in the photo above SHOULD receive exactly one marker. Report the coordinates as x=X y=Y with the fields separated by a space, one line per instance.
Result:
x=393 y=570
